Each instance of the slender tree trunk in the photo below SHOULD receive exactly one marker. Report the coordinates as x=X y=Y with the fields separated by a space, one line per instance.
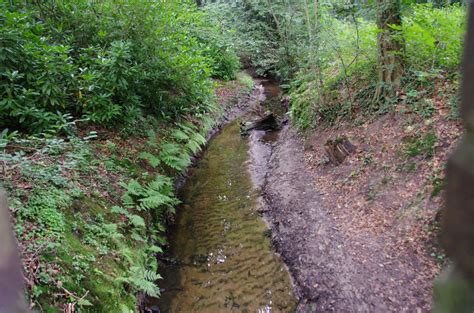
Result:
x=390 y=46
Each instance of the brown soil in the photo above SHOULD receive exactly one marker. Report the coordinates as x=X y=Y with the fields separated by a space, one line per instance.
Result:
x=361 y=236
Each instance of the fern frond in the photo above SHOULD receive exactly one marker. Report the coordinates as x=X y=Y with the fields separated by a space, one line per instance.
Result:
x=142 y=279
x=178 y=134
x=125 y=309
x=197 y=137
x=158 y=184
x=126 y=253
x=188 y=127
x=137 y=221
x=161 y=240
x=177 y=162
x=151 y=158
x=193 y=146
x=127 y=201
x=149 y=288
x=207 y=123
x=151 y=142
x=170 y=148
x=137 y=237
x=151 y=275
x=196 y=141
x=133 y=187
x=155 y=249
x=119 y=210
x=155 y=201
x=174 y=156
x=112 y=231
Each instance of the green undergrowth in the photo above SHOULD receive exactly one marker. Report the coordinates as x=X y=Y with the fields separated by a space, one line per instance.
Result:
x=109 y=62
x=91 y=209
x=345 y=87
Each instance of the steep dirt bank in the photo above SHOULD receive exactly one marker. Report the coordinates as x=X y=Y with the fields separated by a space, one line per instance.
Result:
x=359 y=236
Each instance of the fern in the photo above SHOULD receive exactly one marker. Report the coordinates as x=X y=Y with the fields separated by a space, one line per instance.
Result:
x=126 y=253
x=197 y=137
x=193 y=146
x=188 y=127
x=151 y=142
x=125 y=309
x=196 y=141
x=156 y=194
x=133 y=187
x=159 y=183
x=155 y=249
x=173 y=156
x=207 y=123
x=119 y=210
x=112 y=231
x=137 y=221
x=137 y=237
x=170 y=148
x=142 y=279
x=153 y=202
x=188 y=132
x=176 y=162
x=128 y=201
x=133 y=190
x=179 y=135
x=152 y=159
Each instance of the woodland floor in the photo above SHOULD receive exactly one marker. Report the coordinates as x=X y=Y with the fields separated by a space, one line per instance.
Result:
x=361 y=236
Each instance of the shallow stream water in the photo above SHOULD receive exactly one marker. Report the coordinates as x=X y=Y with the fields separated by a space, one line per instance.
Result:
x=221 y=259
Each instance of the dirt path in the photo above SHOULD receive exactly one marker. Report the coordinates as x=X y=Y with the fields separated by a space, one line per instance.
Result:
x=332 y=270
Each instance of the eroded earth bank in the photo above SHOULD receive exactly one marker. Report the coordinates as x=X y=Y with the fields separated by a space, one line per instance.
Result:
x=336 y=265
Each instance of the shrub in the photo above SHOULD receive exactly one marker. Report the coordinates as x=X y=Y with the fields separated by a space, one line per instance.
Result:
x=433 y=36
x=110 y=62
x=344 y=55
x=347 y=56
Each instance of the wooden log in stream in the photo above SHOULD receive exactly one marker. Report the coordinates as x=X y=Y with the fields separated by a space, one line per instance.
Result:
x=267 y=122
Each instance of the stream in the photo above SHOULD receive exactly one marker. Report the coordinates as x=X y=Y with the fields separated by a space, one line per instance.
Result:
x=220 y=257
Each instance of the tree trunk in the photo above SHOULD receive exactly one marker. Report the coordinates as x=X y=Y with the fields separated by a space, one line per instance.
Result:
x=390 y=46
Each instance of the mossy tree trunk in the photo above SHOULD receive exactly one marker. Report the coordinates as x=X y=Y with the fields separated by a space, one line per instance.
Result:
x=390 y=46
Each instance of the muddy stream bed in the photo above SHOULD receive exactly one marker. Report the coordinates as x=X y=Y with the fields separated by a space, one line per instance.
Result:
x=220 y=257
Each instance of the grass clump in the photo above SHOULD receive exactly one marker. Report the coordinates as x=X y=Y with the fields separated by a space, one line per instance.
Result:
x=421 y=145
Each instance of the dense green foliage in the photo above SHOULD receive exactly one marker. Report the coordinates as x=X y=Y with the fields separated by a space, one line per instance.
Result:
x=90 y=208
x=109 y=62
x=90 y=213
x=326 y=53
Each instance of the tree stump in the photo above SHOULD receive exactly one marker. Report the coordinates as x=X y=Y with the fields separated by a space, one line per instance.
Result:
x=339 y=149
x=285 y=103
